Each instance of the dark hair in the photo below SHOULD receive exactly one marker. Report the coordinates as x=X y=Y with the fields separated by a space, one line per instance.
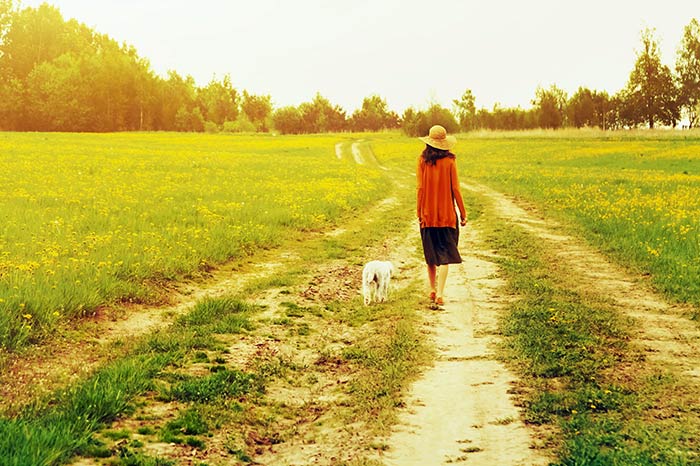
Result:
x=431 y=154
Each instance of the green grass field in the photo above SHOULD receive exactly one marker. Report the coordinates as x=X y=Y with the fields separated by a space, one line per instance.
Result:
x=94 y=220
x=90 y=220
x=635 y=198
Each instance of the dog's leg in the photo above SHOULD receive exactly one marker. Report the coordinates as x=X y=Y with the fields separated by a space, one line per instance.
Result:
x=366 y=291
x=379 y=290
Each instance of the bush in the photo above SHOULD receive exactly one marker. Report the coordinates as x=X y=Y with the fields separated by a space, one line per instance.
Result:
x=189 y=121
x=241 y=125
x=288 y=120
x=211 y=127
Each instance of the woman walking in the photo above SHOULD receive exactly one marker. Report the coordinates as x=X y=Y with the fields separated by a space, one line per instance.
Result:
x=437 y=193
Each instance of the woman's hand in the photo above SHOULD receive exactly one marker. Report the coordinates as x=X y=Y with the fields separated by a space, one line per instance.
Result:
x=463 y=222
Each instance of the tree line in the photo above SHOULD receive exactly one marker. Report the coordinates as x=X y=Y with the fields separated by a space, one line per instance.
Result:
x=654 y=95
x=60 y=75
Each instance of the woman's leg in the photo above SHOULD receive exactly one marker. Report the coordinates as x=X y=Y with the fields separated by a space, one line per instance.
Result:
x=432 y=272
x=441 y=279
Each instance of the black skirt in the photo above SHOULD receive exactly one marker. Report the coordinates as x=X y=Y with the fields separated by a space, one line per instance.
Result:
x=440 y=245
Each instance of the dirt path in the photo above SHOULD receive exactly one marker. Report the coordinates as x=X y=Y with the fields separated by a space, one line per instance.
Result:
x=665 y=332
x=360 y=152
x=460 y=410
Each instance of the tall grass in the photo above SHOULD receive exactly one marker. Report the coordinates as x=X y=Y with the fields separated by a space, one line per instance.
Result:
x=94 y=219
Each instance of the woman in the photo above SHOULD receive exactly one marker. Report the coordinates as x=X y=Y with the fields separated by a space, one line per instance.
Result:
x=437 y=192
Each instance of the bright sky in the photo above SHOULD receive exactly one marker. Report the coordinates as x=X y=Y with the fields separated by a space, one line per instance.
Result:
x=409 y=52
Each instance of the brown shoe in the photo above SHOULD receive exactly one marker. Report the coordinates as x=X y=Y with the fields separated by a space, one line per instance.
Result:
x=432 y=296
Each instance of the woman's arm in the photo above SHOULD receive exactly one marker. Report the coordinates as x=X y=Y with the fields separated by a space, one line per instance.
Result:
x=457 y=193
x=419 y=188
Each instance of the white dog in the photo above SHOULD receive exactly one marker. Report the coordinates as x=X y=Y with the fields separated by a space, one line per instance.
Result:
x=376 y=276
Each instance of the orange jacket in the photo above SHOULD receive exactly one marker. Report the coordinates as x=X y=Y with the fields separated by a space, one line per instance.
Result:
x=437 y=191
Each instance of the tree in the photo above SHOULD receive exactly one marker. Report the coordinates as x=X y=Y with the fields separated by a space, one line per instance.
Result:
x=177 y=96
x=258 y=109
x=465 y=109
x=37 y=35
x=604 y=108
x=650 y=94
x=502 y=118
x=186 y=120
x=12 y=104
x=56 y=96
x=550 y=104
x=580 y=109
x=320 y=116
x=613 y=117
x=415 y=123
x=589 y=108
x=374 y=115
x=439 y=115
x=7 y=12
x=288 y=120
x=688 y=70
x=117 y=79
x=218 y=101
x=411 y=122
x=61 y=75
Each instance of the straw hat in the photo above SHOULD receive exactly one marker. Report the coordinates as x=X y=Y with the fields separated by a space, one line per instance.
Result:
x=437 y=137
